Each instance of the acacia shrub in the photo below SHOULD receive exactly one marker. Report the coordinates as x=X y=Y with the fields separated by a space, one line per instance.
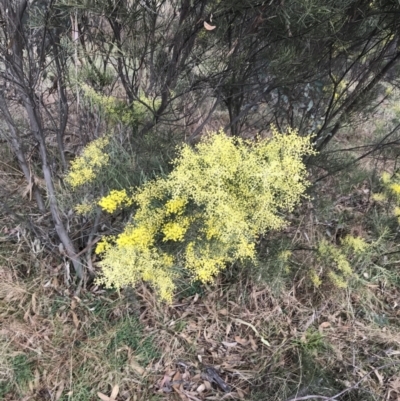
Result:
x=208 y=212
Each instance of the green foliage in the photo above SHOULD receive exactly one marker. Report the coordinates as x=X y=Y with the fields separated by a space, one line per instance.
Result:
x=312 y=342
x=189 y=288
x=118 y=111
x=208 y=211
x=22 y=368
x=22 y=371
x=129 y=333
x=274 y=263
x=96 y=77
x=5 y=387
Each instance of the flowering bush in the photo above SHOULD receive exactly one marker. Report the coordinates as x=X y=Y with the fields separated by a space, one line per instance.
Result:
x=208 y=211
x=338 y=263
x=84 y=168
x=391 y=191
x=87 y=176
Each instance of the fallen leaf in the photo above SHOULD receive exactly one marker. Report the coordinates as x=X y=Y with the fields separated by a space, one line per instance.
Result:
x=228 y=328
x=253 y=343
x=28 y=189
x=34 y=303
x=114 y=392
x=229 y=345
x=137 y=368
x=165 y=381
x=75 y=319
x=379 y=377
x=395 y=384
x=241 y=341
x=37 y=378
x=373 y=286
x=324 y=325
x=177 y=376
x=191 y=396
x=27 y=314
x=208 y=26
x=207 y=384
x=59 y=391
x=103 y=397
x=394 y=387
x=179 y=391
x=201 y=388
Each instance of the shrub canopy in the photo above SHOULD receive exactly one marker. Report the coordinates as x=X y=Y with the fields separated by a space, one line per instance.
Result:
x=208 y=211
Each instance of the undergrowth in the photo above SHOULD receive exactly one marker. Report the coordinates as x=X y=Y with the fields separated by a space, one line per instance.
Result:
x=270 y=329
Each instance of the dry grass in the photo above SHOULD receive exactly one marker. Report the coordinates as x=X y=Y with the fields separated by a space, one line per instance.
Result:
x=76 y=347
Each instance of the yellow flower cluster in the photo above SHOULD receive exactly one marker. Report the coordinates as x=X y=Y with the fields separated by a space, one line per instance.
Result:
x=84 y=208
x=203 y=262
x=114 y=200
x=141 y=237
x=395 y=188
x=315 y=279
x=209 y=210
x=336 y=260
x=84 y=168
x=356 y=244
x=378 y=197
x=391 y=190
x=386 y=178
x=175 y=230
x=129 y=264
x=175 y=206
x=103 y=245
x=285 y=255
